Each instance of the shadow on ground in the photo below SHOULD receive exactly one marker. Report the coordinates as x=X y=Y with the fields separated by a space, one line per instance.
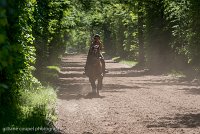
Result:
x=179 y=121
x=74 y=85
x=193 y=91
x=71 y=96
x=83 y=90
x=115 y=88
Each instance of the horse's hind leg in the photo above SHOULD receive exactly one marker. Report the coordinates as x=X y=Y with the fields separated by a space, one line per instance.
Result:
x=93 y=85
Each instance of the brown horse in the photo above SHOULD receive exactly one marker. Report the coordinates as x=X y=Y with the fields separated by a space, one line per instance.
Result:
x=95 y=70
x=95 y=73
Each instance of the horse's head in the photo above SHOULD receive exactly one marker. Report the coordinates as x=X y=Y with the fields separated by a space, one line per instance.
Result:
x=95 y=50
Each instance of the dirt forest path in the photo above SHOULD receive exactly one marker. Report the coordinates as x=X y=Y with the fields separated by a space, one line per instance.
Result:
x=131 y=102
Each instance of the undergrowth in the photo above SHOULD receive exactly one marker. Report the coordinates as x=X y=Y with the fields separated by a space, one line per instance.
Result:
x=128 y=62
x=32 y=112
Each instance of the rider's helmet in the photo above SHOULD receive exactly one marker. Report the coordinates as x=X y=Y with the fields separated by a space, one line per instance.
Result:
x=97 y=36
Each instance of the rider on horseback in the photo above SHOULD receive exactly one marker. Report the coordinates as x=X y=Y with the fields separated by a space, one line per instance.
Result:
x=96 y=43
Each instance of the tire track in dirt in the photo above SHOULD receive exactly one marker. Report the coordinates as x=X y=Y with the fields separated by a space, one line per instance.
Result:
x=131 y=102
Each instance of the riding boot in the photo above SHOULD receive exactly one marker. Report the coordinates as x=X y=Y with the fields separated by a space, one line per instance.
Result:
x=103 y=66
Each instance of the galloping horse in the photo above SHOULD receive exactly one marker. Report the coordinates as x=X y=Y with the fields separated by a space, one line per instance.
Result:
x=95 y=70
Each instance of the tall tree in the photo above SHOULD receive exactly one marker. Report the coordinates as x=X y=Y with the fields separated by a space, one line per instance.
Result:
x=158 y=36
x=195 y=33
x=141 y=31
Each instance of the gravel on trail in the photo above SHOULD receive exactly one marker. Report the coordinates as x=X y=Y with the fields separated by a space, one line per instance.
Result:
x=132 y=101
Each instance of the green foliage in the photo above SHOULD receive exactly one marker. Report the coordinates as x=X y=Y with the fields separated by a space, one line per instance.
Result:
x=35 y=106
x=128 y=62
x=176 y=73
x=157 y=35
x=35 y=33
x=38 y=107
x=51 y=73
x=21 y=95
x=195 y=33
x=169 y=29
x=185 y=27
x=115 y=21
x=55 y=68
x=49 y=34
x=178 y=16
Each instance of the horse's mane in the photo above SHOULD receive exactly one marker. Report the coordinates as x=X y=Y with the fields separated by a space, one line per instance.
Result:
x=95 y=50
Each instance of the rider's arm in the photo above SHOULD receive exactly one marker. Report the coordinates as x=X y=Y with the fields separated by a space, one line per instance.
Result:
x=101 y=46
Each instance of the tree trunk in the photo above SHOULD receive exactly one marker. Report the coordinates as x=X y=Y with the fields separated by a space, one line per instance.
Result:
x=140 y=32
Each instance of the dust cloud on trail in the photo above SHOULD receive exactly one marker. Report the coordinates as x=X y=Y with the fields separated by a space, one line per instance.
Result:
x=132 y=102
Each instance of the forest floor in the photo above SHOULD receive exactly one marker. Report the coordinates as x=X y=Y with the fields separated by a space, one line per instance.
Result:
x=132 y=101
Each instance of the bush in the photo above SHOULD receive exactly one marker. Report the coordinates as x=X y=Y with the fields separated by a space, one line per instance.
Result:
x=34 y=107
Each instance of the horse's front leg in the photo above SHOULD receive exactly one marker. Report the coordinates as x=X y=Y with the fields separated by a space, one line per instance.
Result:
x=100 y=83
x=92 y=82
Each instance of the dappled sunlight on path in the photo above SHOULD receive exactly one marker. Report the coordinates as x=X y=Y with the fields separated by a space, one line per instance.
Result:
x=131 y=101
